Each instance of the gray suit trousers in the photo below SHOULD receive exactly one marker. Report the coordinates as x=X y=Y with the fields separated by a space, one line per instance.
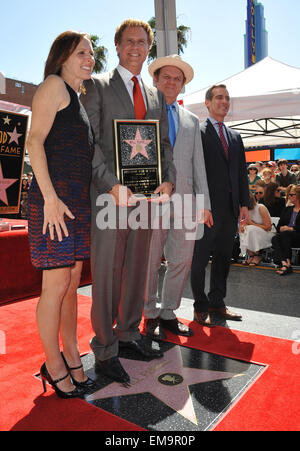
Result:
x=178 y=252
x=118 y=272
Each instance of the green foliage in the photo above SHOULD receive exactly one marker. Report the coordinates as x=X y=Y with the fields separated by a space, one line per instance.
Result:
x=183 y=36
x=100 y=53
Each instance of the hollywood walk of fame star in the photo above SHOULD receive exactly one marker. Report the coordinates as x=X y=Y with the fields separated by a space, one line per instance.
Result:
x=6 y=120
x=4 y=184
x=166 y=379
x=138 y=145
x=14 y=136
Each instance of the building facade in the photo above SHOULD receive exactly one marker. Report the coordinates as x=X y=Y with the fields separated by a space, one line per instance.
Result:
x=17 y=91
x=256 y=37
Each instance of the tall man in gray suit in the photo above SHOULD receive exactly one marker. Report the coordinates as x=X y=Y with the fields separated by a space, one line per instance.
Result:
x=170 y=74
x=118 y=255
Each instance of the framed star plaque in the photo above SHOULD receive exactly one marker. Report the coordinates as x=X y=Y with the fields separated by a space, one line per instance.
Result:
x=138 y=155
x=13 y=131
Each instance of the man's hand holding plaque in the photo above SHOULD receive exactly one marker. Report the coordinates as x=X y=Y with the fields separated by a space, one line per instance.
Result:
x=123 y=197
x=165 y=191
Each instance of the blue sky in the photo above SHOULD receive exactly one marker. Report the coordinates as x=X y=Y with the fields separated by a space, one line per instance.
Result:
x=215 y=50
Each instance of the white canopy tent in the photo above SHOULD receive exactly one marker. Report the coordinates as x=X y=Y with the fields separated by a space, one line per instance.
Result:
x=265 y=104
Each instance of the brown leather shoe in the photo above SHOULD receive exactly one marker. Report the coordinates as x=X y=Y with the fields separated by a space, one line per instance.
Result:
x=224 y=312
x=203 y=318
x=153 y=329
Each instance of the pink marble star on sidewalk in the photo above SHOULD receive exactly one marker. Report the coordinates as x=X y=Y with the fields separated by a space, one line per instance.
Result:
x=166 y=379
x=138 y=145
x=4 y=184
x=14 y=136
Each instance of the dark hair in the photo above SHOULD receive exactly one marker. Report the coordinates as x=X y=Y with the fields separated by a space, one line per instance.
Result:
x=63 y=46
x=282 y=161
x=269 y=196
x=209 y=94
x=134 y=23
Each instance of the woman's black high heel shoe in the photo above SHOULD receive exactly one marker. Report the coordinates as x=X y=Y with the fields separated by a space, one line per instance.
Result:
x=45 y=376
x=88 y=385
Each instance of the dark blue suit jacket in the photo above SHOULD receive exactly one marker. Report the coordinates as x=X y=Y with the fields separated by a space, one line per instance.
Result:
x=227 y=178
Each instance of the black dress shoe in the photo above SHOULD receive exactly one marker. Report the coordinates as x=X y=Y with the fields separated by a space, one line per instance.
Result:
x=153 y=329
x=141 y=347
x=113 y=369
x=176 y=327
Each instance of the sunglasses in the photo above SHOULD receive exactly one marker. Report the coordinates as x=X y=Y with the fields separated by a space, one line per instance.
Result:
x=292 y=194
x=259 y=192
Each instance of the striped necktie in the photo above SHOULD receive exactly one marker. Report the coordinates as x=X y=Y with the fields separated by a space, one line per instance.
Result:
x=223 y=140
x=138 y=100
x=172 y=129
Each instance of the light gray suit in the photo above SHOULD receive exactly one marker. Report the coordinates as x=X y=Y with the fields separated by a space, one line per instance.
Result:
x=118 y=256
x=190 y=179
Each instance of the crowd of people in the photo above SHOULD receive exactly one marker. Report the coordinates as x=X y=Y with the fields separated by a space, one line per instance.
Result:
x=25 y=186
x=72 y=151
x=281 y=172
x=274 y=192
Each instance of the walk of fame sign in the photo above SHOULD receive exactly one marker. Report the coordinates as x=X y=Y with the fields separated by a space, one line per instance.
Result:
x=13 y=131
x=138 y=157
x=187 y=389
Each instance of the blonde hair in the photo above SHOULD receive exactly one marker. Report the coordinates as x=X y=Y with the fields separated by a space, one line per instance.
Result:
x=266 y=171
x=295 y=188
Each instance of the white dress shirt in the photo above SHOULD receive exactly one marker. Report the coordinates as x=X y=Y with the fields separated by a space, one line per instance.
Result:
x=215 y=123
x=126 y=76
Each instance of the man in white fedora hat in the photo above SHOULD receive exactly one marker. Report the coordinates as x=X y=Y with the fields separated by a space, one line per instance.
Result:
x=170 y=74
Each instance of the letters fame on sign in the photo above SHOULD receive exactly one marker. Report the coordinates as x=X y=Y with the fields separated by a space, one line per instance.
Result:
x=13 y=131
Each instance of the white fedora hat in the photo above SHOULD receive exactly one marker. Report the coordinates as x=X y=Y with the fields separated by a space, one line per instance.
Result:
x=172 y=60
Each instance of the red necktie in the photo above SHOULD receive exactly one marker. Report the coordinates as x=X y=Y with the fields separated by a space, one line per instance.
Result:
x=138 y=99
x=223 y=140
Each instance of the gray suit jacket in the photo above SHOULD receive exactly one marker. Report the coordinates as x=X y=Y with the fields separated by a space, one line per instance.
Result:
x=107 y=99
x=189 y=159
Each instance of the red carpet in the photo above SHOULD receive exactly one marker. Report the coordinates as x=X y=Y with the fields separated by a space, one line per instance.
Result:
x=15 y=259
x=23 y=405
x=271 y=403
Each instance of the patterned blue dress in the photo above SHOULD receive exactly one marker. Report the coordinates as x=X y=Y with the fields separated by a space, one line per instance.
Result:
x=69 y=152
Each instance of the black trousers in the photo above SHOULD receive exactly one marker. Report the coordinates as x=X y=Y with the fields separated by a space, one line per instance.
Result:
x=282 y=244
x=218 y=243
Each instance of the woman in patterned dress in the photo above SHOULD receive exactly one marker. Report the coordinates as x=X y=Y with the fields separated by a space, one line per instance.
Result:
x=60 y=147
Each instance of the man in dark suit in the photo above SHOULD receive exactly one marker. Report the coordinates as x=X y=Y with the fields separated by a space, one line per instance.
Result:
x=119 y=254
x=226 y=170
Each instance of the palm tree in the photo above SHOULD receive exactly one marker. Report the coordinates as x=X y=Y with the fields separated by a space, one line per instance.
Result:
x=183 y=35
x=100 y=53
